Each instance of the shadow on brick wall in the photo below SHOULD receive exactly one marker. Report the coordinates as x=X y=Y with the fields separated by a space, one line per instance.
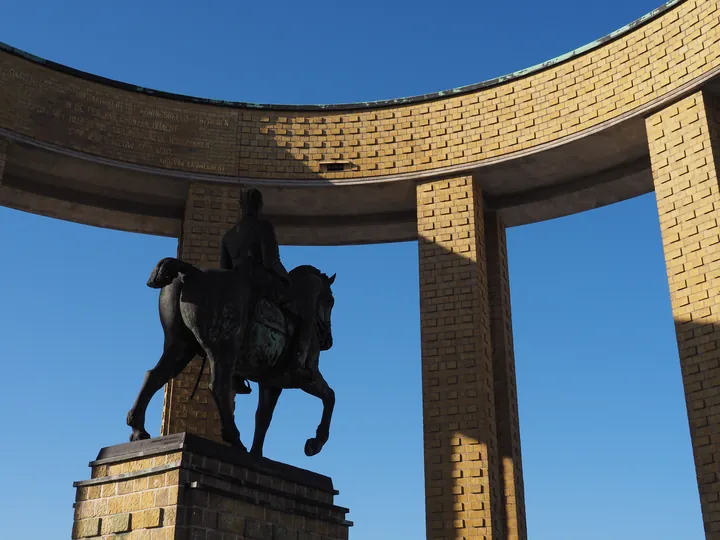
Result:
x=473 y=466
x=699 y=348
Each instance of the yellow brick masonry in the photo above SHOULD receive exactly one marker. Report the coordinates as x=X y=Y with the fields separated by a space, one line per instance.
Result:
x=464 y=490
x=210 y=211
x=561 y=101
x=182 y=495
x=581 y=93
x=684 y=142
x=142 y=508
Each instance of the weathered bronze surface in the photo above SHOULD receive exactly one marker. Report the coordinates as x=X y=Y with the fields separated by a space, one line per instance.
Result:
x=251 y=320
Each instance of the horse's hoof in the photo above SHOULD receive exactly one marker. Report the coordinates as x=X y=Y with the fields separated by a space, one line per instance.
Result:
x=139 y=436
x=240 y=447
x=312 y=447
x=237 y=444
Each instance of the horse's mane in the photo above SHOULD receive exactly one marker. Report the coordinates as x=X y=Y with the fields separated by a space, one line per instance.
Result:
x=307 y=270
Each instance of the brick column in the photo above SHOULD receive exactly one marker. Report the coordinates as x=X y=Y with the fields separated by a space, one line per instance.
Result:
x=210 y=211
x=506 y=404
x=462 y=481
x=684 y=142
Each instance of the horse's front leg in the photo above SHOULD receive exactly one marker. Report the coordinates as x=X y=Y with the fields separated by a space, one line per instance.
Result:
x=319 y=388
x=267 y=399
x=222 y=392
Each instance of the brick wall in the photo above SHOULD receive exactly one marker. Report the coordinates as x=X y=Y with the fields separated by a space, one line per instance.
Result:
x=3 y=157
x=238 y=503
x=652 y=60
x=684 y=144
x=180 y=488
x=210 y=211
x=134 y=499
x=463 y=490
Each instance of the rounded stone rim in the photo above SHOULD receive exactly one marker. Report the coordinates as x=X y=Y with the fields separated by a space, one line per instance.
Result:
x=365 y=105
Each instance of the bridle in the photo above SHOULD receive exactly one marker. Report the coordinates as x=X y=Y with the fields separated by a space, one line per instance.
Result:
x=322 y=328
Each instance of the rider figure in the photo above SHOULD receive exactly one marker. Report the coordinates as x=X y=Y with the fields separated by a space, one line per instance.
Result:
x=251 y=245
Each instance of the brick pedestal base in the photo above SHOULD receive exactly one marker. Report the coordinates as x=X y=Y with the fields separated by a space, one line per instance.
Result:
x=184 y=487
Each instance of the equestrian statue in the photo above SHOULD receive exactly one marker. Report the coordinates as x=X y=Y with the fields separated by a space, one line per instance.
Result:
x=252 y=320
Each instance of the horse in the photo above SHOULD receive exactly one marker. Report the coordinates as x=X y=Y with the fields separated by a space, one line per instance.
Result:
x=205 y=313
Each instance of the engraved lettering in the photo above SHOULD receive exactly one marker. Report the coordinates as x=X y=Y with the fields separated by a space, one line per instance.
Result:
x=190 y=143
x=155 y=134
x=124 y=144
x=192 y=164
x=161 y=126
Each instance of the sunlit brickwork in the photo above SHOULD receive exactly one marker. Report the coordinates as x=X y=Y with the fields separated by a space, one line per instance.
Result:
x=684 y=144
x=472 y=488
x=488 y=123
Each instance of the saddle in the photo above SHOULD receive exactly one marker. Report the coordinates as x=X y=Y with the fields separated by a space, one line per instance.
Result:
x=272 y=319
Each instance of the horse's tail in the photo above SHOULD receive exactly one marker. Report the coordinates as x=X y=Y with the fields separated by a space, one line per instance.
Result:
x=167 y=270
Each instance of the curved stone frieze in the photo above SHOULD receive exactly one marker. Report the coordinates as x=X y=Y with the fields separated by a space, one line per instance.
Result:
x=559 y=138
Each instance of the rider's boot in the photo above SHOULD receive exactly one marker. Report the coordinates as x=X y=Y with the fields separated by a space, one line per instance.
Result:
x=241 y=385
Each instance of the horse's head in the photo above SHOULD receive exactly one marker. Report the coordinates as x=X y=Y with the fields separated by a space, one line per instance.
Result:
x=323 y=312
x=316 y=294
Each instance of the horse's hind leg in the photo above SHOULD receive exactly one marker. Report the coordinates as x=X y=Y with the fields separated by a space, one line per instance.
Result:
x=223 y=394
x=178 y=352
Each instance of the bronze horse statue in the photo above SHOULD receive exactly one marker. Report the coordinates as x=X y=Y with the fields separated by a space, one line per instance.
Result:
x=205 y=313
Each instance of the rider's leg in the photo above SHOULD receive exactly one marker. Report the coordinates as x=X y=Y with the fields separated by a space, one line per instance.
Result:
x=240 y=383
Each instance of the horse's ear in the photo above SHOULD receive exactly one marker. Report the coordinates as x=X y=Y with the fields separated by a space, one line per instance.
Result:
x=331 y=280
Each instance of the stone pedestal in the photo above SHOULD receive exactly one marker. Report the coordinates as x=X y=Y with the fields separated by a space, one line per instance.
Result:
x=184 y=487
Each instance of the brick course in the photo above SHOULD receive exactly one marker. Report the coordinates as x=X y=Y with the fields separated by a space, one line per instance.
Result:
x=134 y=499
x=684 y=142
x=644 y=64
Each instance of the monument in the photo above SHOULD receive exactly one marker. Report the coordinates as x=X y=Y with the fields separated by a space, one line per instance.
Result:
x=251 y=320
x=247 y=322
x=629 y=114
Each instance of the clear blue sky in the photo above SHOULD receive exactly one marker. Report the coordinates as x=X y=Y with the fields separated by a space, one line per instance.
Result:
x=605 y=439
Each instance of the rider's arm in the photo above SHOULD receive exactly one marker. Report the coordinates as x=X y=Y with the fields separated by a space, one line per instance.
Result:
x=268 y=245
x=225 y=259
x=271 y=252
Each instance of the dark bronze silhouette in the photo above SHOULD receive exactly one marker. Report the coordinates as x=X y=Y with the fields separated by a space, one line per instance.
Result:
x=251 y=248
x=251 y=322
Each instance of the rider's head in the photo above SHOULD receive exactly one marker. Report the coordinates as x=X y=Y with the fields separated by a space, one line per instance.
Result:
x=252 y=202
